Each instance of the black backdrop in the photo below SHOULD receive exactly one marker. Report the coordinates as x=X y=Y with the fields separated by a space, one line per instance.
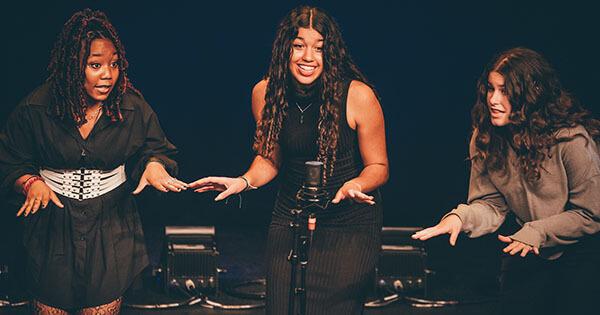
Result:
x=196 y=63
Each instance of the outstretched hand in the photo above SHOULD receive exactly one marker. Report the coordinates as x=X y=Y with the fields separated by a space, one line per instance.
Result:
x=514 y=247
x=38 y=196
x=449 y=225
x=352 y=190
x=226 y=185
x=156 y=176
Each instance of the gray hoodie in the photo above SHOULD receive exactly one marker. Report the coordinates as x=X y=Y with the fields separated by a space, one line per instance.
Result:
x=558 y=209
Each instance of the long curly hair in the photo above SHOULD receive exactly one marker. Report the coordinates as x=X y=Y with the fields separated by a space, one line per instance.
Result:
x=338 y=67
x=540 y=107
x=66 y=70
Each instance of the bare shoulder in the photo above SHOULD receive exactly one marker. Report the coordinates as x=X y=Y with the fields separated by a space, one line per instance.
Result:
x=260 y=88
x=362 y=106
x=258 y=97
x=361 y=95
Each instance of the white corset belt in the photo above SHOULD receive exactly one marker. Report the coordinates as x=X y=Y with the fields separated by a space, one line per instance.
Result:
x=83 y=183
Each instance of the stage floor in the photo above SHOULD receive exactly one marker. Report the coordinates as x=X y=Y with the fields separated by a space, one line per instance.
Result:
x=241 y=249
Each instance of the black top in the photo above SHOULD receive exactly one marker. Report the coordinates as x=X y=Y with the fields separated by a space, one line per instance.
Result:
x=344 y=248
x=32 y=138
x=298 y=144
x=87 y=253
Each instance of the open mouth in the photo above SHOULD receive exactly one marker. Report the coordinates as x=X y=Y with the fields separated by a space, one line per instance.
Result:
x=103 y=88
x=306 y=70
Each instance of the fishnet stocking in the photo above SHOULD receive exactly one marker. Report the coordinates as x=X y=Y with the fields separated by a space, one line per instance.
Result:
x=38 y=308
x=111 y=308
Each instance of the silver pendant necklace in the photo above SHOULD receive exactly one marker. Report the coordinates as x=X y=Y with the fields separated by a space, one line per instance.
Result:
x=302 y=111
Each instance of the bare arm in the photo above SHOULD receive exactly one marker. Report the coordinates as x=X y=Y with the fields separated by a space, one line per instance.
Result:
x=364 y=111
x=261 y=171
x=365 y=115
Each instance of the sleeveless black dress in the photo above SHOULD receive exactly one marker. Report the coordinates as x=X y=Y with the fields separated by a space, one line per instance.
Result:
x=345 y=247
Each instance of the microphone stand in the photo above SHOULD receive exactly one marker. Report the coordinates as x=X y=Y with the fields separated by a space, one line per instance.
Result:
x=307 y=197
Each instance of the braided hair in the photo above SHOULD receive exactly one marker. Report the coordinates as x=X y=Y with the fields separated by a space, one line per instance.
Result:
x=66 y=70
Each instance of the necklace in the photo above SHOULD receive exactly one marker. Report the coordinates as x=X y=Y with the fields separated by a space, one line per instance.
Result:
x=97 y=115
x=302 y=110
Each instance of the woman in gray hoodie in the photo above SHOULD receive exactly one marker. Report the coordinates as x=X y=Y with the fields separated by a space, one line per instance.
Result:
x=533 y=153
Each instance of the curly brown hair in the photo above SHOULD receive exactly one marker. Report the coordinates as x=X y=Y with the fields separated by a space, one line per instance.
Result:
x=338 y=67
x=540 y=107
x=66 y=70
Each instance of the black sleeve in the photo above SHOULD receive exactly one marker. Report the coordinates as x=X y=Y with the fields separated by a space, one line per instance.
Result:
x=17 y=149
x=156 y=146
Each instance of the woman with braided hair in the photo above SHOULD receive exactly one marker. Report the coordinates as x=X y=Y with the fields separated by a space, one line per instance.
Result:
x=534 y=153
x=73 y=147
x=314 y=104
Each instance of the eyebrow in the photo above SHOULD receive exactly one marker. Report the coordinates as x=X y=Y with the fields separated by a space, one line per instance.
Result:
x=302 y=38
x=99 y=54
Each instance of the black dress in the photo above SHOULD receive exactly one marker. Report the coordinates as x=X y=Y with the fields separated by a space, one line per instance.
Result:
x=345 y=246
x=87 y=253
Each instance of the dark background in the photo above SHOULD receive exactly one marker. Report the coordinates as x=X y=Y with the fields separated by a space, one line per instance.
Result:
x=196 y=63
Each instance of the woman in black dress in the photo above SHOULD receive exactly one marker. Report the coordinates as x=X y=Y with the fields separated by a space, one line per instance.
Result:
x=314 y=104
x=73 y=148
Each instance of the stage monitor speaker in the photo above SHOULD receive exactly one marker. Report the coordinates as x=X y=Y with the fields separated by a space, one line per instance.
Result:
x=402 y=262
x=191 y=255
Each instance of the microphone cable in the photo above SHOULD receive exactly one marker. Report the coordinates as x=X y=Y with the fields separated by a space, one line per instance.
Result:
x=194 y=297
x=191 y=299
x=208 y=303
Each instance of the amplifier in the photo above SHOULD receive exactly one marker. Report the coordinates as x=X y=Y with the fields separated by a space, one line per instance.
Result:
x=191 y=255
x=402 y=262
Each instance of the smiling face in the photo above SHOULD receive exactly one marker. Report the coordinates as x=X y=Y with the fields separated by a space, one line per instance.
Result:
x=101 y=70
x=306 y=61
x=497 y=100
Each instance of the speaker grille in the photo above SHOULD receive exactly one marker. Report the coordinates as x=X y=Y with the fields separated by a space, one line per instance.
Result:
x=193 y=264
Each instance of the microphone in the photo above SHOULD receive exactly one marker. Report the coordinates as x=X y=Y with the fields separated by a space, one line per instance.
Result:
x=312 y=194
